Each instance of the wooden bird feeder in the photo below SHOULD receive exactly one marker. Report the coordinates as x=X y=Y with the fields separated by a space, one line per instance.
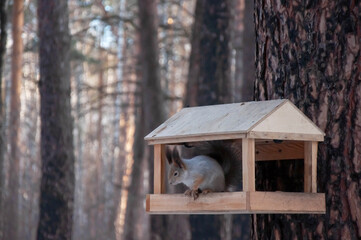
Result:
x=255 y=125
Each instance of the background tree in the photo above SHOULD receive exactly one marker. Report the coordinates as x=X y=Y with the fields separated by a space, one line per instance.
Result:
x=111 y=107
x=3 y=38
x=309 y=52
x=150 y=116
x=209 y=63
x=57 y=182
x=209 y=82
x=14 y=127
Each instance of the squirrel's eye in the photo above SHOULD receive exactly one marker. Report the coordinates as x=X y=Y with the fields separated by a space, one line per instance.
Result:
x=175 y=174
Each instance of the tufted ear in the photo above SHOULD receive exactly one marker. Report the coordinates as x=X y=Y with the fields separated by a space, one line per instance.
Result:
x=168 y=155
x=177 y=159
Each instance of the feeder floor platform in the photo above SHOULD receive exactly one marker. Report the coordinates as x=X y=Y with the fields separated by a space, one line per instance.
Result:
x=237 y=203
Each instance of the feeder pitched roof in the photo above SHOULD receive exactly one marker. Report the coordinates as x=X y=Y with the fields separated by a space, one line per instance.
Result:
x=274 y=119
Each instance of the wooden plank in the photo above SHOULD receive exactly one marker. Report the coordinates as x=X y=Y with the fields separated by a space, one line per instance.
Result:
x=159 y=168
x=205 y=137
x=214 y=120
x=248 y=164
x=212 y=203
x=266 y=151
x=286 y=136
x=310 y=167
x=288 y=119
x=237 y=202
x=286 y=202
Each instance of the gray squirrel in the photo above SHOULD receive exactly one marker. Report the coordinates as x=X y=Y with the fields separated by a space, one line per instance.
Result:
x=215 y=167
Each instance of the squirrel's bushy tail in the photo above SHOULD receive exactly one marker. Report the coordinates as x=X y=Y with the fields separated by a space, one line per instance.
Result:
x=228 y=155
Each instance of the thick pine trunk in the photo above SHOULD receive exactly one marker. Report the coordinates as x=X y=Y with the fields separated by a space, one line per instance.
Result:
x=57 y=182
x=14 y=127
x=309 y=52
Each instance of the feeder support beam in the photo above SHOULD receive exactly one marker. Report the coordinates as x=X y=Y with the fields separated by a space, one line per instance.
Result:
x=159 y=168
x=310 y=168
x=248 y=164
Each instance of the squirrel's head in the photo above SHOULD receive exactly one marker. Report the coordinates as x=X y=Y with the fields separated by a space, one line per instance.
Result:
x=177 y=167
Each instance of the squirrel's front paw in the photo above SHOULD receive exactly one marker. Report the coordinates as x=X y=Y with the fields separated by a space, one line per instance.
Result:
x=206 y=191
x=192 y=193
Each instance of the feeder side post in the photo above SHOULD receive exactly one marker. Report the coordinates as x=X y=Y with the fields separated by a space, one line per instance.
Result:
x=159 y=168
x=310 y=168
x=248 y=164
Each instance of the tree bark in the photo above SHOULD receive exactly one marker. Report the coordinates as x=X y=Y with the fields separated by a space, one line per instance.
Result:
x=57 y=182
x=14 y=128
x=3 y=37
x=309 y=52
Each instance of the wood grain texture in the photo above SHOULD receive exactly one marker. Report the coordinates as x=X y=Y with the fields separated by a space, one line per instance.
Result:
x=276 y=119
x=237 y=202
x=287 y=119
x=269 y=150
x=310 y=182
x=159 y=169
x=215 y=119
x=211 y=203
x=248 y=164
x=286 y=136
x=195 y=138
x=286 y=202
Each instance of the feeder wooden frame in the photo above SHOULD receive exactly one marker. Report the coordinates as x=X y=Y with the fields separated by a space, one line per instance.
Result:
x=299 y=142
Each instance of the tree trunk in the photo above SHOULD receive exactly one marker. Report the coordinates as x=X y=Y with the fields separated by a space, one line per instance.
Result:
x=100 y=169
x=249 y=46
x=243 y=43
x=309 y=52
x=79 y=215
x=209 y=83
x=209 y=67
x=14 y=130
x=57 y=182
x=152 y=95
x=3 y=37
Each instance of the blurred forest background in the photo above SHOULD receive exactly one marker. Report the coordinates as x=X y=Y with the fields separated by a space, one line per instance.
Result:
x=113 y=46
x=76 y=103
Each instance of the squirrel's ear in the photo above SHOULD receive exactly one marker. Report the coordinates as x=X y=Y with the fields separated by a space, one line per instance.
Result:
x=177 y=159
x=168 y=155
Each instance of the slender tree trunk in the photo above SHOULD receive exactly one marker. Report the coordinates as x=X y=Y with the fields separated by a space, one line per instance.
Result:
x=309 y=52
x=209 y=83
x=79 y=215
x=243 y=43
x=57 y=182
x=14 y=130
x=151 y=115
x=249 y=49
x=121 y=120
x=3 y=37
x=100 y=218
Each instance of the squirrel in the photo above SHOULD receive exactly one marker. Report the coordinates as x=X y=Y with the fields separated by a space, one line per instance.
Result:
x=216 y=167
